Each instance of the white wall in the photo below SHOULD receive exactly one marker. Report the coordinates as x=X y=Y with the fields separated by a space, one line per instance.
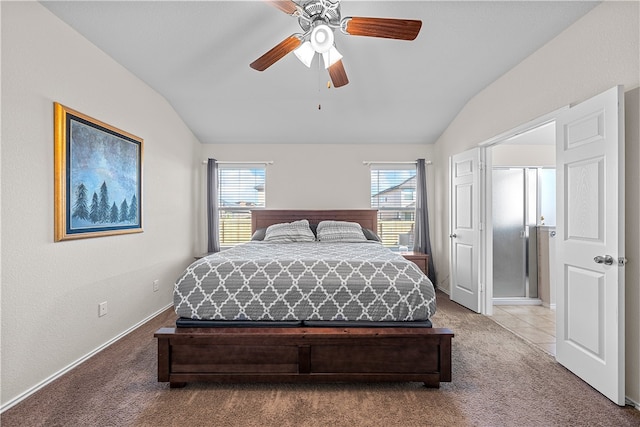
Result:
x=523 y=155
x=316 y=176
x=599 y=51
x=51 y=291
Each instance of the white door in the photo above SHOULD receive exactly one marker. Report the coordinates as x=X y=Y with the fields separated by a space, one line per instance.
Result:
x=590 y=241
x=464 y=170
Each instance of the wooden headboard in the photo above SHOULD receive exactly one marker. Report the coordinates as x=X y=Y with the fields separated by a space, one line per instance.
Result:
x=367 y=218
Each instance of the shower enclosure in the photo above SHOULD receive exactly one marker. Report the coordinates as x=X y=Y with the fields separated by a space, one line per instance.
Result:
x=523 y=198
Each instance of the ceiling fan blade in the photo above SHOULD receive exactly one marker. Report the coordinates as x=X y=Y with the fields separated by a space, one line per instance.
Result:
x=287 y=6
x=389 y=28
x=275 y=54
x=338 y=74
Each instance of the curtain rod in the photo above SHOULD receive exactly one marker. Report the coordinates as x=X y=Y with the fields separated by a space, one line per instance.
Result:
x=265 y=162
x=371 y=162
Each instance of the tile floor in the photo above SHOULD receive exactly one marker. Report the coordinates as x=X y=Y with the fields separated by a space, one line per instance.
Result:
x=534 y=323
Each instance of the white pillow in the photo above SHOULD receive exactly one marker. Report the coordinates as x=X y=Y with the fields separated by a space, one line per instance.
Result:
x=340 y=231
x=296 y=231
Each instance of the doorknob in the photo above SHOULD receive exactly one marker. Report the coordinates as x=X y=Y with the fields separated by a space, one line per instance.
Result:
x=453 y=236
x=606 y=260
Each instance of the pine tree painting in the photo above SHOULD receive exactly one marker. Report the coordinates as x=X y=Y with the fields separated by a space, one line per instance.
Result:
x=107 y=167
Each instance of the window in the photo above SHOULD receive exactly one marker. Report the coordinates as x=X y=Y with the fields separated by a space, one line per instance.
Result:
x=241 y=188
x=393 y=194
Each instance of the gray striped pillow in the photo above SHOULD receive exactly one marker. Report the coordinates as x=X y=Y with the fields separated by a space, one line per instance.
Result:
x=340 y=231
x=297 y=231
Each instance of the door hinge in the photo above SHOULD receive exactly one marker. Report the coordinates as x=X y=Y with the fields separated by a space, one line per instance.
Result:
x=481 y=166
x=481 y=226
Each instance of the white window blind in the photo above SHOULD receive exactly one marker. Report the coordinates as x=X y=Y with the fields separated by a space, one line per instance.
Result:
x=393 y=194
x=241 y=188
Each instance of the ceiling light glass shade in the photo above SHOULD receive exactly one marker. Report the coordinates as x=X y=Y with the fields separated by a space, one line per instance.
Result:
x=321 y=38
x=305 y=53
x=331 y=57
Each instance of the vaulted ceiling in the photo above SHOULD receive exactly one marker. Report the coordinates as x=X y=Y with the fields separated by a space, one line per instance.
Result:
x=197 y=53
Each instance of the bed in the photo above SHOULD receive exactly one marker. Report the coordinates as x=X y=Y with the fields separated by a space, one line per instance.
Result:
x=304 y=331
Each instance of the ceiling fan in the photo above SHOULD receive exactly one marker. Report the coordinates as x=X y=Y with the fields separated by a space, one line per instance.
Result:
x=318 y=19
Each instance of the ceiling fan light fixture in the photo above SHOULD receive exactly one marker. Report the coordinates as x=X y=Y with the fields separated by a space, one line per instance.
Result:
x=321 y=38
x=305 y=53
x=331 y=57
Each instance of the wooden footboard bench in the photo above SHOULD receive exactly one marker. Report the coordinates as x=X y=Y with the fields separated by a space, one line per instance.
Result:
x=304 y=354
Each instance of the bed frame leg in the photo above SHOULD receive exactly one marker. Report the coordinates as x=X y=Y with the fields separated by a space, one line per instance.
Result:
x=177 y=385
x=163 y=358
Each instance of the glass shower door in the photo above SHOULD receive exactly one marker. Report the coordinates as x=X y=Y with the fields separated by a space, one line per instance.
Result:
x=509 y=239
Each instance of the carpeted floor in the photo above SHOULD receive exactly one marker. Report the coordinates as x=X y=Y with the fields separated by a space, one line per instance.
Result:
x=498 y=380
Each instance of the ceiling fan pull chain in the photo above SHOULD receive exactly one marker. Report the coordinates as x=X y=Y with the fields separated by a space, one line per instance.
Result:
x=319 y=77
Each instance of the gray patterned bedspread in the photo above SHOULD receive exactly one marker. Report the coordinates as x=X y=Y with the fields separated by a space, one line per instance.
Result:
x=305 y=281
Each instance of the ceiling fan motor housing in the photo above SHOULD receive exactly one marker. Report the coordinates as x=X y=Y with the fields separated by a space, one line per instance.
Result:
x=315 y=12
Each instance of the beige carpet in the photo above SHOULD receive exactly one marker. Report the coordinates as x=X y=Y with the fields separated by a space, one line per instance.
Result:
x=498 y=380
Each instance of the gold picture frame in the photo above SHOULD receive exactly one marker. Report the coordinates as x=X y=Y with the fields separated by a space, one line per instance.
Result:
x=97 y=177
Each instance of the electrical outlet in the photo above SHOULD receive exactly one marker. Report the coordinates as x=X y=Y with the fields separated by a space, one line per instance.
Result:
x=102 y=309
x=156 y=285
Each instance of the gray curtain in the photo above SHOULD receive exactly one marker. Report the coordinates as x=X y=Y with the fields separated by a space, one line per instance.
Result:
x=421 y=240
x=213 y=242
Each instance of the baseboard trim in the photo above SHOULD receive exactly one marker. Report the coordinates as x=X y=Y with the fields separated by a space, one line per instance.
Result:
x=517 y=301
x=87 y=356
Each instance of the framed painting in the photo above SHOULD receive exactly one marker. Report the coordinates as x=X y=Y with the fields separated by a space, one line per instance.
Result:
x=98 y=177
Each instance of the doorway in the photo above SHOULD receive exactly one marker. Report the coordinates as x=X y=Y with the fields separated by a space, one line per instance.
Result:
x=522 y=216
x=523 y=222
